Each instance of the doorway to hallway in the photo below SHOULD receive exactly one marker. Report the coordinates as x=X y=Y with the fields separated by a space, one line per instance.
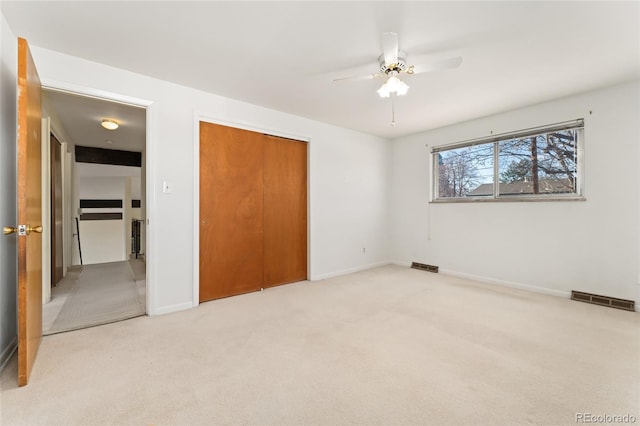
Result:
x=104 y=198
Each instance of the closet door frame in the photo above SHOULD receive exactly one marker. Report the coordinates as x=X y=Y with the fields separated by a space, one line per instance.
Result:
x=208 y=118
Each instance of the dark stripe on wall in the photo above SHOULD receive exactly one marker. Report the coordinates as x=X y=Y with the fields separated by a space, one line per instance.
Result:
x=100 y=204
x=101 y=216
x=86 y=154
x=135 y=204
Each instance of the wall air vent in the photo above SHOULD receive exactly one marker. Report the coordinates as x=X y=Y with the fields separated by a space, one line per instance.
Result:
x=424 y=267
x=596 y=299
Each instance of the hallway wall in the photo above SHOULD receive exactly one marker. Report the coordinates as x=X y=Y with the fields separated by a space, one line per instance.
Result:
x=105 y=241
x=102 y=240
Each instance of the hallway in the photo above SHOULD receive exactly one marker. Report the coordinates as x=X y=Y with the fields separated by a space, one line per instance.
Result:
x=96 y=294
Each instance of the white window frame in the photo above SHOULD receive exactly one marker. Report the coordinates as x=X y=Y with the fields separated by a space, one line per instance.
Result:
x=495 y=140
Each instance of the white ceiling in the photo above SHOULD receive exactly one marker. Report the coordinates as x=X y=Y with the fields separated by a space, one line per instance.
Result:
x=80 y=118
x=284 y=55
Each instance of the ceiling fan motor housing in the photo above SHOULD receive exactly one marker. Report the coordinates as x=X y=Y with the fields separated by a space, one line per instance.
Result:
x=399 y=66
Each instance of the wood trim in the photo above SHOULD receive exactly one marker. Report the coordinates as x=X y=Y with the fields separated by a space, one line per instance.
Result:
x=100 y=204
x=101 y=216
x=87 y=154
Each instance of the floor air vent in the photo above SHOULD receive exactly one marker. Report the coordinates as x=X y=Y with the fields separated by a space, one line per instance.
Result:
x=596 y=299
x=424 y=267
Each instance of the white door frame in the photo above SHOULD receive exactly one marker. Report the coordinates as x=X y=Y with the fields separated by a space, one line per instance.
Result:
x=150 y=199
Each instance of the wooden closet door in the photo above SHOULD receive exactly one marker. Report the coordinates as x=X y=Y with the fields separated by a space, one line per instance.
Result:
x=285 y=211
x=231 y=211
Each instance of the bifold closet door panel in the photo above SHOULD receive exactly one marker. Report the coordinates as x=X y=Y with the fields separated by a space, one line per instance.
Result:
x=231 y=211
x=285 y=211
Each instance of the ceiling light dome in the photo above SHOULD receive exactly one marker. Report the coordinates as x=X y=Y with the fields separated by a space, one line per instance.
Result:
x=110 y=124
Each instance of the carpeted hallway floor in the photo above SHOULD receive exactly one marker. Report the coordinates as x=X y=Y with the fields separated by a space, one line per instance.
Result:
x=387 y=346
x=96 y=294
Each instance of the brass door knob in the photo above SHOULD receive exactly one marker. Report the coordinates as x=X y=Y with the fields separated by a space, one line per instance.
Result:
x=37 y=229
x=9 y=230
x=22 y=229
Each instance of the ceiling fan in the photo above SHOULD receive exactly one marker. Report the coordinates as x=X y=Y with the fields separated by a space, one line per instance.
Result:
x=393 y=63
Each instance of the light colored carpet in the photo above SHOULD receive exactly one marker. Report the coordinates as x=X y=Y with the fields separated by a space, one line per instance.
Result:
x=97 y=294
x=388 y=346
x=59 y=295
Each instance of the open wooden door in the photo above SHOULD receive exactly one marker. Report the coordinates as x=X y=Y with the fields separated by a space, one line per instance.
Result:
x=29 y=213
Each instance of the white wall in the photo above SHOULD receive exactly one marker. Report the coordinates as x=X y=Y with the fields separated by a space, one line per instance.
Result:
x=348 y=173
x=102 y=240
x=106 y=170
x=8 y=214
x=136 y=188
x=126 y=216
x=103 y=188
x=91 y=187
x=587 y=245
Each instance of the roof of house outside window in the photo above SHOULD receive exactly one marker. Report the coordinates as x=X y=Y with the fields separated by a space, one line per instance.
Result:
x=546 y=186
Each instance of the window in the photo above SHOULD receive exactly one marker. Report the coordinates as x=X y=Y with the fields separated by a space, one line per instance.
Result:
x=541 y=163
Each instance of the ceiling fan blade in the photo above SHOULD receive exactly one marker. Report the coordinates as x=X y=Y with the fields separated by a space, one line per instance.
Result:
x=356 y=78
x=390 y=48
x=435 y=66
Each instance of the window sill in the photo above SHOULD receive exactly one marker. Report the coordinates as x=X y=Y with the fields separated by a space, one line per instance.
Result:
x=509 y=199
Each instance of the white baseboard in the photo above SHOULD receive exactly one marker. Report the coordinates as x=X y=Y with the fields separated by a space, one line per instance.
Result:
x=172 y=308
x=349 y=271
x=8 y=352
x=504 y=283
x=400 y=263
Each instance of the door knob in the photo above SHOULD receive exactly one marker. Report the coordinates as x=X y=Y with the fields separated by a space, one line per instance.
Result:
x=22 y=229
x=37 y=229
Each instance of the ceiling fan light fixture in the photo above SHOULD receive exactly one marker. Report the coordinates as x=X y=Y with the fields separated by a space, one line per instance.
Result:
x=402 y=89
x=393 y=83
x=383 y=91
x=110 y=124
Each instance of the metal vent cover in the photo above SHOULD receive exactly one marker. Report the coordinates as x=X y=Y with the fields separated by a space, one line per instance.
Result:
x=424 y=267
x=596 y=299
